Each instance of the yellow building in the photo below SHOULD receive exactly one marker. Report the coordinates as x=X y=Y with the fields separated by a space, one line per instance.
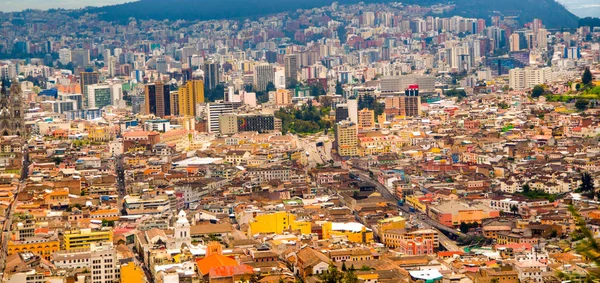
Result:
x=354 y=232
x=277 y=223
x=283 y=97
x=81 y=239
x=414 y=202
x=189 y=95
x=132 y=273
x=99 y=134
x=366 y=119
x=346 y=140
x=397 y=222
x=45 y=248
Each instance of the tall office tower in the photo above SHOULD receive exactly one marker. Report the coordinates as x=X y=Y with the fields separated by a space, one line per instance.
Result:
x=353 y=110
x=542 y=39
x=104 y=94
x=158 y=99
x=88 y=78
x=98 y=95
x=190 y=95
x=80 y=57
x=263 y=75
x=211 y=74
x=410 y=106
x=291 y=62
x=514 y=40
x=175 y=103
x=341 y=112
x=346 y=138
x=64 y=56
x=214 y=111
x=161 y=65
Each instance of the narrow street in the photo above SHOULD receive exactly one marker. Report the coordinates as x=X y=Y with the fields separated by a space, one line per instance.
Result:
x=6 y=227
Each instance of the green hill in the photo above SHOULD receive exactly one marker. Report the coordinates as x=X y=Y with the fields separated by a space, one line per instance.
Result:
x=553 y=14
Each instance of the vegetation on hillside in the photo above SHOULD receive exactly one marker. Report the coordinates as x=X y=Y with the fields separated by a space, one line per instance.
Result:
x=552 y=13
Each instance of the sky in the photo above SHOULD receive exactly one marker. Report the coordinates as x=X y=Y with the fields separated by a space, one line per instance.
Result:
x=581 y=8
x=18 y=5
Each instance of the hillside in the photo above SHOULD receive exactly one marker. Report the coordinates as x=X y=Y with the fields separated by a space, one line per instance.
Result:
x=552 y=13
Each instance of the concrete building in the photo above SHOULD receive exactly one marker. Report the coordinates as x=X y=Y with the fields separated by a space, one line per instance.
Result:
x=214 y=111
x=346 y=138
x=263 y=75
x=529 y=77
x=189 y=96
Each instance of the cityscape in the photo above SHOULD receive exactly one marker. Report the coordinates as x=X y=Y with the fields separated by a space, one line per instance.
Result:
x=246 y=141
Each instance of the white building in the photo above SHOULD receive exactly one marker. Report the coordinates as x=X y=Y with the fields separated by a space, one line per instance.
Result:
x=529 y=77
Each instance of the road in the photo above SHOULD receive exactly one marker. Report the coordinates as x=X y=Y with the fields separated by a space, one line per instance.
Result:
x=120 y=170
x=316 y=154
x=6 y=227
x=421 y=219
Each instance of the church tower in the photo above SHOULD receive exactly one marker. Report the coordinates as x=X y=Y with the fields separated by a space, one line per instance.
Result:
x=182 y=230
x=11 y=110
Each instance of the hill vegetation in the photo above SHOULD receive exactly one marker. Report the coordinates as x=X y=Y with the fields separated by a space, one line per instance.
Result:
x=553 y=14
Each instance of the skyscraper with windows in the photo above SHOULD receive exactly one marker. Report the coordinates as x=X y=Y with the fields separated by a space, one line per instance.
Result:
x=189 y=96
x=263 y=75
x=211 y=74
x=291 y=67
x=158 y=99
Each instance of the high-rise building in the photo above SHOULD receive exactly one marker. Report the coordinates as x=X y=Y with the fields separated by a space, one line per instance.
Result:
x=80 y=57
x=214 y=111
x=98 y=95
x=346 y=138
x=353 y=110
x=291 y=62
x=410 y=106
x=211 y=74
x=190 y=95
x=341 y=112
x=103 y=94
x=88 y=78
x=64 y=56
x=400 y=83
x=263 y=75
x=528 y=77
x=158 y=99
x=366 y=119
x=175 y=103
x=514 y=40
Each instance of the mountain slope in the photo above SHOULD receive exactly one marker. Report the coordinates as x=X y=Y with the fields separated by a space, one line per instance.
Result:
x=553 y=14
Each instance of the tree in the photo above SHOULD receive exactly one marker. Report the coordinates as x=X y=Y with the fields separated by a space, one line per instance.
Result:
x=587 y=185
x=526 y=189
x=350 y=277
x=587 y=78
x=581 y=104
x=514 y=209
x=332 y=275
x=344 y=268
x=537 y=91
x=464 y=227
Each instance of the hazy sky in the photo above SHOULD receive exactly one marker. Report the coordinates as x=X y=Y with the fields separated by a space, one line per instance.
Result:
x=18 y=5
x=580 y=8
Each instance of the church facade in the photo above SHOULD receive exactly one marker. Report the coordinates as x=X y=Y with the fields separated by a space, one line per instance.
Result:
x=11 y=110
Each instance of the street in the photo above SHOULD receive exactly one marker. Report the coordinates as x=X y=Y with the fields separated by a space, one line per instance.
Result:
x=421 y=219
x=6 y=227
